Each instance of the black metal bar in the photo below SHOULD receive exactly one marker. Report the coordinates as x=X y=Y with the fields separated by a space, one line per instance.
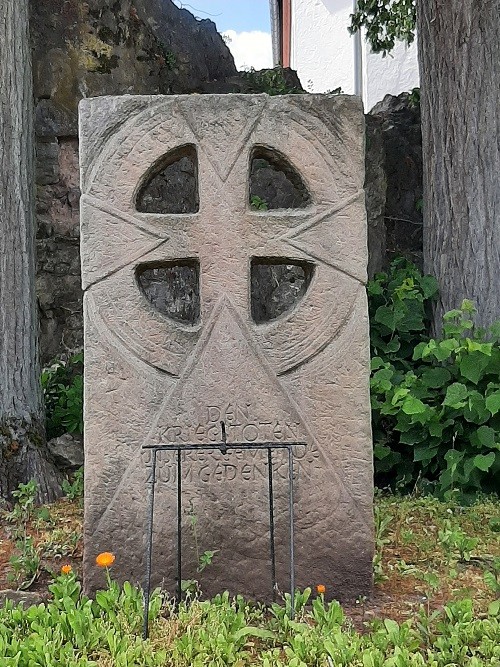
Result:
x=149 y=549
x=222 y=446
x=292 y=553
x=271 y=520
x=179 y=526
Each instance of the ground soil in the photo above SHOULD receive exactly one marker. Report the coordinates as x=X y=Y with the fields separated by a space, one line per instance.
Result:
x=417 y=565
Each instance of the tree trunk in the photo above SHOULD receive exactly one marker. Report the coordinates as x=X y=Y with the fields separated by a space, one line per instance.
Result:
x=459 y=51
x=23 y=453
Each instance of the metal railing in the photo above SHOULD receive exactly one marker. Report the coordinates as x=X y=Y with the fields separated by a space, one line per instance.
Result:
x=224 y=448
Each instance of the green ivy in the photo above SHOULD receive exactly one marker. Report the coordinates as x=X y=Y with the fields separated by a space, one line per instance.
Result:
x=435 y=402
x=62 y=385
x=399 y=309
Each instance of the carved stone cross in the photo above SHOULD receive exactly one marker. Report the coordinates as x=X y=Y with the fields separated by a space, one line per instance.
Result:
x=301 y=376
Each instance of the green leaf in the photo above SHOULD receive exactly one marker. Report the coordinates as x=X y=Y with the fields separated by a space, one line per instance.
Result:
x=494 y=608
x=413 y=406
x=381 y=451
x=435 y=378
x=419 y=350
x=391 y=626
x=247 y=631
x=453 y=457
x=456 y=395
x=445 y=349
x=429 y=286
x=385 y=316
x=493 y=402
x=374 y=288
x=476 y=410
x=377 y=363
x=468 y=306
x=495 y=330
x=486 y=436
x=424 y=453
x=412 y=437
x=484 y=462
x=473 y=365
x=436 y=429
x=393 y=346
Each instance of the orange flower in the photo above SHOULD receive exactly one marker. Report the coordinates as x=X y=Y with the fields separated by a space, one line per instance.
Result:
x=106 y=559
x=66 y=569
x=320 y=589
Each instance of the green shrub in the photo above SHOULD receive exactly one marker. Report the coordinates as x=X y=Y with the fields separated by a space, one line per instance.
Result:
x=62 y=385
x=399 y=307
x=271 y=81
x=435 y=403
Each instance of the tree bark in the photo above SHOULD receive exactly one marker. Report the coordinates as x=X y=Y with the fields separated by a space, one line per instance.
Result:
x=23 y=452
x=459 y=52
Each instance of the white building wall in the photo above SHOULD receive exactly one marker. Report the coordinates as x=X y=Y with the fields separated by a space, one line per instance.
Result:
x=392 y=75
x=322 y=49
x=323 y=53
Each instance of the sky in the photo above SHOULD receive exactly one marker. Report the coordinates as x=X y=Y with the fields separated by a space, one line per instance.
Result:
x=246 y=24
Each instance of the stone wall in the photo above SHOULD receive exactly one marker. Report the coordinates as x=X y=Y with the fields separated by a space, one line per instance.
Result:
x=101 y=47
x=399 y=121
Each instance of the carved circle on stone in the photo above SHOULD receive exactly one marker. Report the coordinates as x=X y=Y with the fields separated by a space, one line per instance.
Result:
x=309 y=235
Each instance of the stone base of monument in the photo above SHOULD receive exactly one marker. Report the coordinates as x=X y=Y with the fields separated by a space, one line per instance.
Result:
x=225 y=449
x=167 y=370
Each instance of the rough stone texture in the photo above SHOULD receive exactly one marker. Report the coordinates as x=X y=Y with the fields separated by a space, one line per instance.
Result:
x=95 y=48
x=276 y=184
x=26 y=598
x=303 y=376
x=58 y=271
x=375 y=190
x=402 y=137
x=277 y=287
x=99 y=47
x=172 y=190
x=67 y=451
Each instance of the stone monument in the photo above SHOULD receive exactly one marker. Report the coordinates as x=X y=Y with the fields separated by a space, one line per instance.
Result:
x=171 y=374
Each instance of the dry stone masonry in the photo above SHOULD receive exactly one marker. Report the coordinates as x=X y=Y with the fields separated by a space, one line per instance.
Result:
x=168 y=364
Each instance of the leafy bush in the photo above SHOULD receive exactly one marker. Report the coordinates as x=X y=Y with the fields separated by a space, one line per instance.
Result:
x=271 y=81
x=62 y=385
x=435 y=403
x=399 y=307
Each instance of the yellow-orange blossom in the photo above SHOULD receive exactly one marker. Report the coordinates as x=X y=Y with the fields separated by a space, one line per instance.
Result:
x=66 y=569
x=105 y=559
x=321 y=589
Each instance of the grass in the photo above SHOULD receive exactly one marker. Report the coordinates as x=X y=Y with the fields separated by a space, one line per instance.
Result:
x=435 y=552
x=433 y=604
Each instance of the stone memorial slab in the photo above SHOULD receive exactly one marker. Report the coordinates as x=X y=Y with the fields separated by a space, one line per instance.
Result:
x=179 y=336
